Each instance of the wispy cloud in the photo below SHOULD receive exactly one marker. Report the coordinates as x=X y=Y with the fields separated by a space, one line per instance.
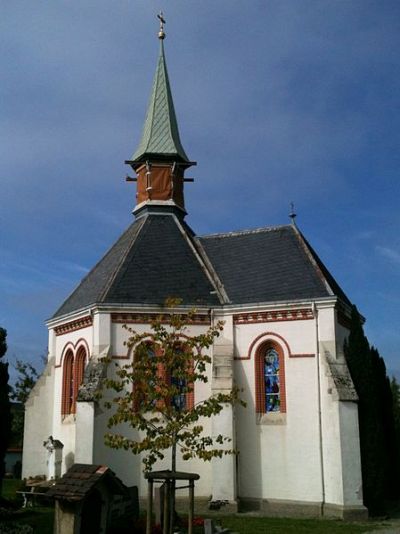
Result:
x=389 y=253
x=365 y=235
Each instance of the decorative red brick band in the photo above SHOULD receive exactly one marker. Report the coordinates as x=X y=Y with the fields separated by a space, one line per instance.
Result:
x=273 y=316
x=269 y=336
x=302 y=355
x=146 y=318
x=78 y=324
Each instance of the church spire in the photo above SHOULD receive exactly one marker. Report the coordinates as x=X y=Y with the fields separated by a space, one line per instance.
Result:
x=160 y=159
x=160 y=137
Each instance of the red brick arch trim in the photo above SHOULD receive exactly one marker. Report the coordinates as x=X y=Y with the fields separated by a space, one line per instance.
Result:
x=279 y=339
x=259 y=374
x=74 y=347
x=73 y=361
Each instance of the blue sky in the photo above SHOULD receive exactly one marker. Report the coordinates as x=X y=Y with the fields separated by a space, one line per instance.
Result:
x=276 y=101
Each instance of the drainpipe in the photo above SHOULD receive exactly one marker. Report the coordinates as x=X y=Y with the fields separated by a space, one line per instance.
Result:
x=321 y=451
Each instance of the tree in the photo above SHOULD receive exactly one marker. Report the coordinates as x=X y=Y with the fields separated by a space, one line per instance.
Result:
x=395 y=388
x=379 y=463
x=153 y=392
x=5 y=409
x=27 y=377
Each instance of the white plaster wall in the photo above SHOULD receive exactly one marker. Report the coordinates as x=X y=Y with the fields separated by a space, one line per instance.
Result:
x=350 y=446
x=38 y=425
x=84 y=421
x=330 y=419
x=101 y=329
x=280 y=461
x=341 y=456
x=333 y=470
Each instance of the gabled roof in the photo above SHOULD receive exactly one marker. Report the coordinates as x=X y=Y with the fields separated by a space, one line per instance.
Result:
x=158 y=257
x=153 y=260
x=160 y=135
x=81 y=479
x=267 y=265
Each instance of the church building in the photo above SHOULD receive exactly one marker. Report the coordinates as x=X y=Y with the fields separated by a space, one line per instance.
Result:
x=285 y=322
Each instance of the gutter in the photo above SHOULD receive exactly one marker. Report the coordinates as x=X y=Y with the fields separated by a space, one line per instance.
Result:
x=321 y=450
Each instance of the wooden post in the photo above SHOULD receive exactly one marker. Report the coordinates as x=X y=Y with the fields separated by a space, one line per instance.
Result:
x=165 y=513
x=191 y=507
x=149 y=506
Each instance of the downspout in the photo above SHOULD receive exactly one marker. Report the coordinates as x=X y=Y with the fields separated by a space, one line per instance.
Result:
x=321 y=451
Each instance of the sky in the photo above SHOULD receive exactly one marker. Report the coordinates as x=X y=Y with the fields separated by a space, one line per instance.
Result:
x=277 y=101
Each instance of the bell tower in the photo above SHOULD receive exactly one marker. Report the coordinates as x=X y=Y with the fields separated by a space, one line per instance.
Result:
x=160 y=160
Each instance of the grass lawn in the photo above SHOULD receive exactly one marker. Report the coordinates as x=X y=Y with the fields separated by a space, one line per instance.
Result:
x=10 y=486
x=268 y=525
x=41 y=519
x=38 y=517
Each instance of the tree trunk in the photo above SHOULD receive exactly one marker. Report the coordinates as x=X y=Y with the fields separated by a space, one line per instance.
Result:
x=172 y=513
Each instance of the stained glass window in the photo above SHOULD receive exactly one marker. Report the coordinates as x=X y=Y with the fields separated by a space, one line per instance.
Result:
x=271 y=381
x=179 y=400
x=151 y=354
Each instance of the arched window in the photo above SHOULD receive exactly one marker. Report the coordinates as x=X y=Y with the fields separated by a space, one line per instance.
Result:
x=68 y=383
x=183 y=399
x=270 y=378
x=73 y=371
x=184 y=396
x=146 y=365
x=79 y=368
x=178 y=400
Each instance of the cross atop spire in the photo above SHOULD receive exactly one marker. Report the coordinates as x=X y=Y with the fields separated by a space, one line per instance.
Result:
x=292 y=213
x=161 y=33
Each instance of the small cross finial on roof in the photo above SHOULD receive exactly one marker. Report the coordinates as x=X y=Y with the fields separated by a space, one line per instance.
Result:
x=161 y=33
x=292 y=213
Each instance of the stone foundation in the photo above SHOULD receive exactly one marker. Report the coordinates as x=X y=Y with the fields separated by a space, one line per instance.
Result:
x=272 y=508
x=281 y=508
x=348 y=513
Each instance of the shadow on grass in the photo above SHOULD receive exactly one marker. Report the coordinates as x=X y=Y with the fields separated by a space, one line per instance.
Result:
x=39 y=518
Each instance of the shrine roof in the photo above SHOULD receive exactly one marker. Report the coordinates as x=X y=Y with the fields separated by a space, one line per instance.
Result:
x=80 y=479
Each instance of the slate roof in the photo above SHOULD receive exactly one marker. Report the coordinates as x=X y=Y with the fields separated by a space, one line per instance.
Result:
x=151 y=261
x=267 y=265
x=80 y=479
x=159 y=257
x=160 y=133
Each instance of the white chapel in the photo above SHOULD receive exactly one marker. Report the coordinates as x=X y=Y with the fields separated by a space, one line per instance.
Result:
x=285 y=322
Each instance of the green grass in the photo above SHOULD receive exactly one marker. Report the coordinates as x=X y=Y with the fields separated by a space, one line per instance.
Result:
x=38 y=517
x=41 y=519
x=10 y=486
x=264 y=525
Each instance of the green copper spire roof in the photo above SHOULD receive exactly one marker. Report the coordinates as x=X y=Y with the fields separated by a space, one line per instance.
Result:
x=160 y=135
